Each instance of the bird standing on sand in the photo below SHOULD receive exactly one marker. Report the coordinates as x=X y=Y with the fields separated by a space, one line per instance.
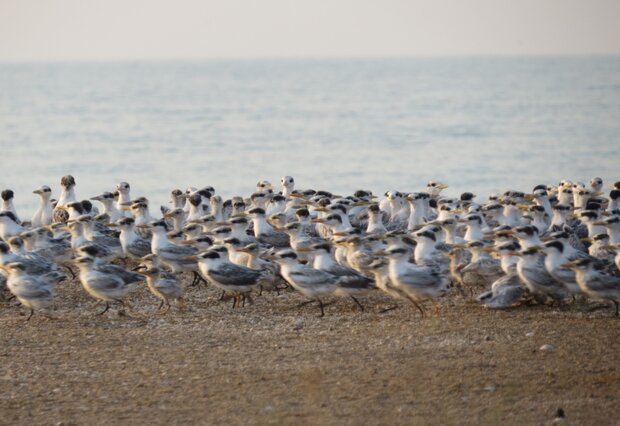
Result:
x=31 y=291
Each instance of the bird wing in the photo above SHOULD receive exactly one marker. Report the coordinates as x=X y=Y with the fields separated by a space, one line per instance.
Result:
x=108 y=282
x=307 y=277
x=127 y=276
x=604 y=283
x=234 y=275
x=139 y=247
x=179 y=250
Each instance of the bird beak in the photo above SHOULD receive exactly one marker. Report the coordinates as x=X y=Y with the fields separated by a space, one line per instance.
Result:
x=320 y=209
x=488 y=249
x=143 y=226
x=380 y=253
x=318 y=220
x=599 y=223
x=442 y=186
x=192 y=258
x=529 y=197
x=37 y=191
x=586 y=239
x=567 y=265
x=112 y=225
x=304 y=250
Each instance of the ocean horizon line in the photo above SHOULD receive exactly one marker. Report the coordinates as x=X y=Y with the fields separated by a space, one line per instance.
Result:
x=318 y=58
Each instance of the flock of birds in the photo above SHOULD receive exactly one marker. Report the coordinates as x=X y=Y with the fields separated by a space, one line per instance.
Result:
x=554 y=245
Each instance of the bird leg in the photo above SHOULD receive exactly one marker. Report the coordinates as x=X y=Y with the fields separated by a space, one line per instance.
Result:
x=260 y=292
x=617 y=306
x=417 y=306
x=160 y=305
x=357 y=303
x=321 y=306
x=30 y=316
x=70 y=271
x=249 y=298
x=107 y=306
x=234 y=302
x=167 y=308
x=388 y=309
x=307 y=302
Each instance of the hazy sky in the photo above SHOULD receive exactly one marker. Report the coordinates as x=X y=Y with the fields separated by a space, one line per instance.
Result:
x=159 y=29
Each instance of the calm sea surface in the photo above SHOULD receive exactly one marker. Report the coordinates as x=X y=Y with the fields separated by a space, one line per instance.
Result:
x=479 y=124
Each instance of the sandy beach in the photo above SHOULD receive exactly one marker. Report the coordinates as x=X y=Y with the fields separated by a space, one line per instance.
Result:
x=274 y=363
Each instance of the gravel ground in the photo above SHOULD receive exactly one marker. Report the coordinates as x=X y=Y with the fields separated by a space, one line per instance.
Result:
x=275 y=363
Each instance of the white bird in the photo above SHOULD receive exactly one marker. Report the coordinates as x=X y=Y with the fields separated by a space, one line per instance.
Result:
x=596 y=284
x=7 y=203
x=31 y=291
x=44 y=213
x=164 y=288
x=67 y=195
x=420 y=283
x=228 y=276
x=100 y=285
x=310 y=282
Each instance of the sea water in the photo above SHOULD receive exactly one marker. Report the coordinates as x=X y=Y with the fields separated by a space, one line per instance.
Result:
x=480 y=124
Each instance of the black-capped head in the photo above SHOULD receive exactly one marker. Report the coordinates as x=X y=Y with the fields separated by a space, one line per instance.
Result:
x=589 y=214
x=397 y=251
x=321 y=247
x=210 y=254
x=7 y=194
x=601 y=237
x=302 y=212
x=233 y=242
x=67 y=181
x=257 y=211
x=160 y=224
x=511 y=246
x=227 y=204
x=426 y=234
x=324 y=202
x=238 y=221
x=562 y=207
x=467 y=196
x=77 y=206
x=338 y=207
x=292 y=226
x=195 y=199
x=286 y=254
x=555 y=244
x=528 y=230
x=374 y=208
x=277 y=199
x=90 y=250
x=473 y=218
x=4 y=247
x=614 y=194
x=205 y=239
x=87 y=206
x=222 y=230
x=126 y=221
x=333 y=217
